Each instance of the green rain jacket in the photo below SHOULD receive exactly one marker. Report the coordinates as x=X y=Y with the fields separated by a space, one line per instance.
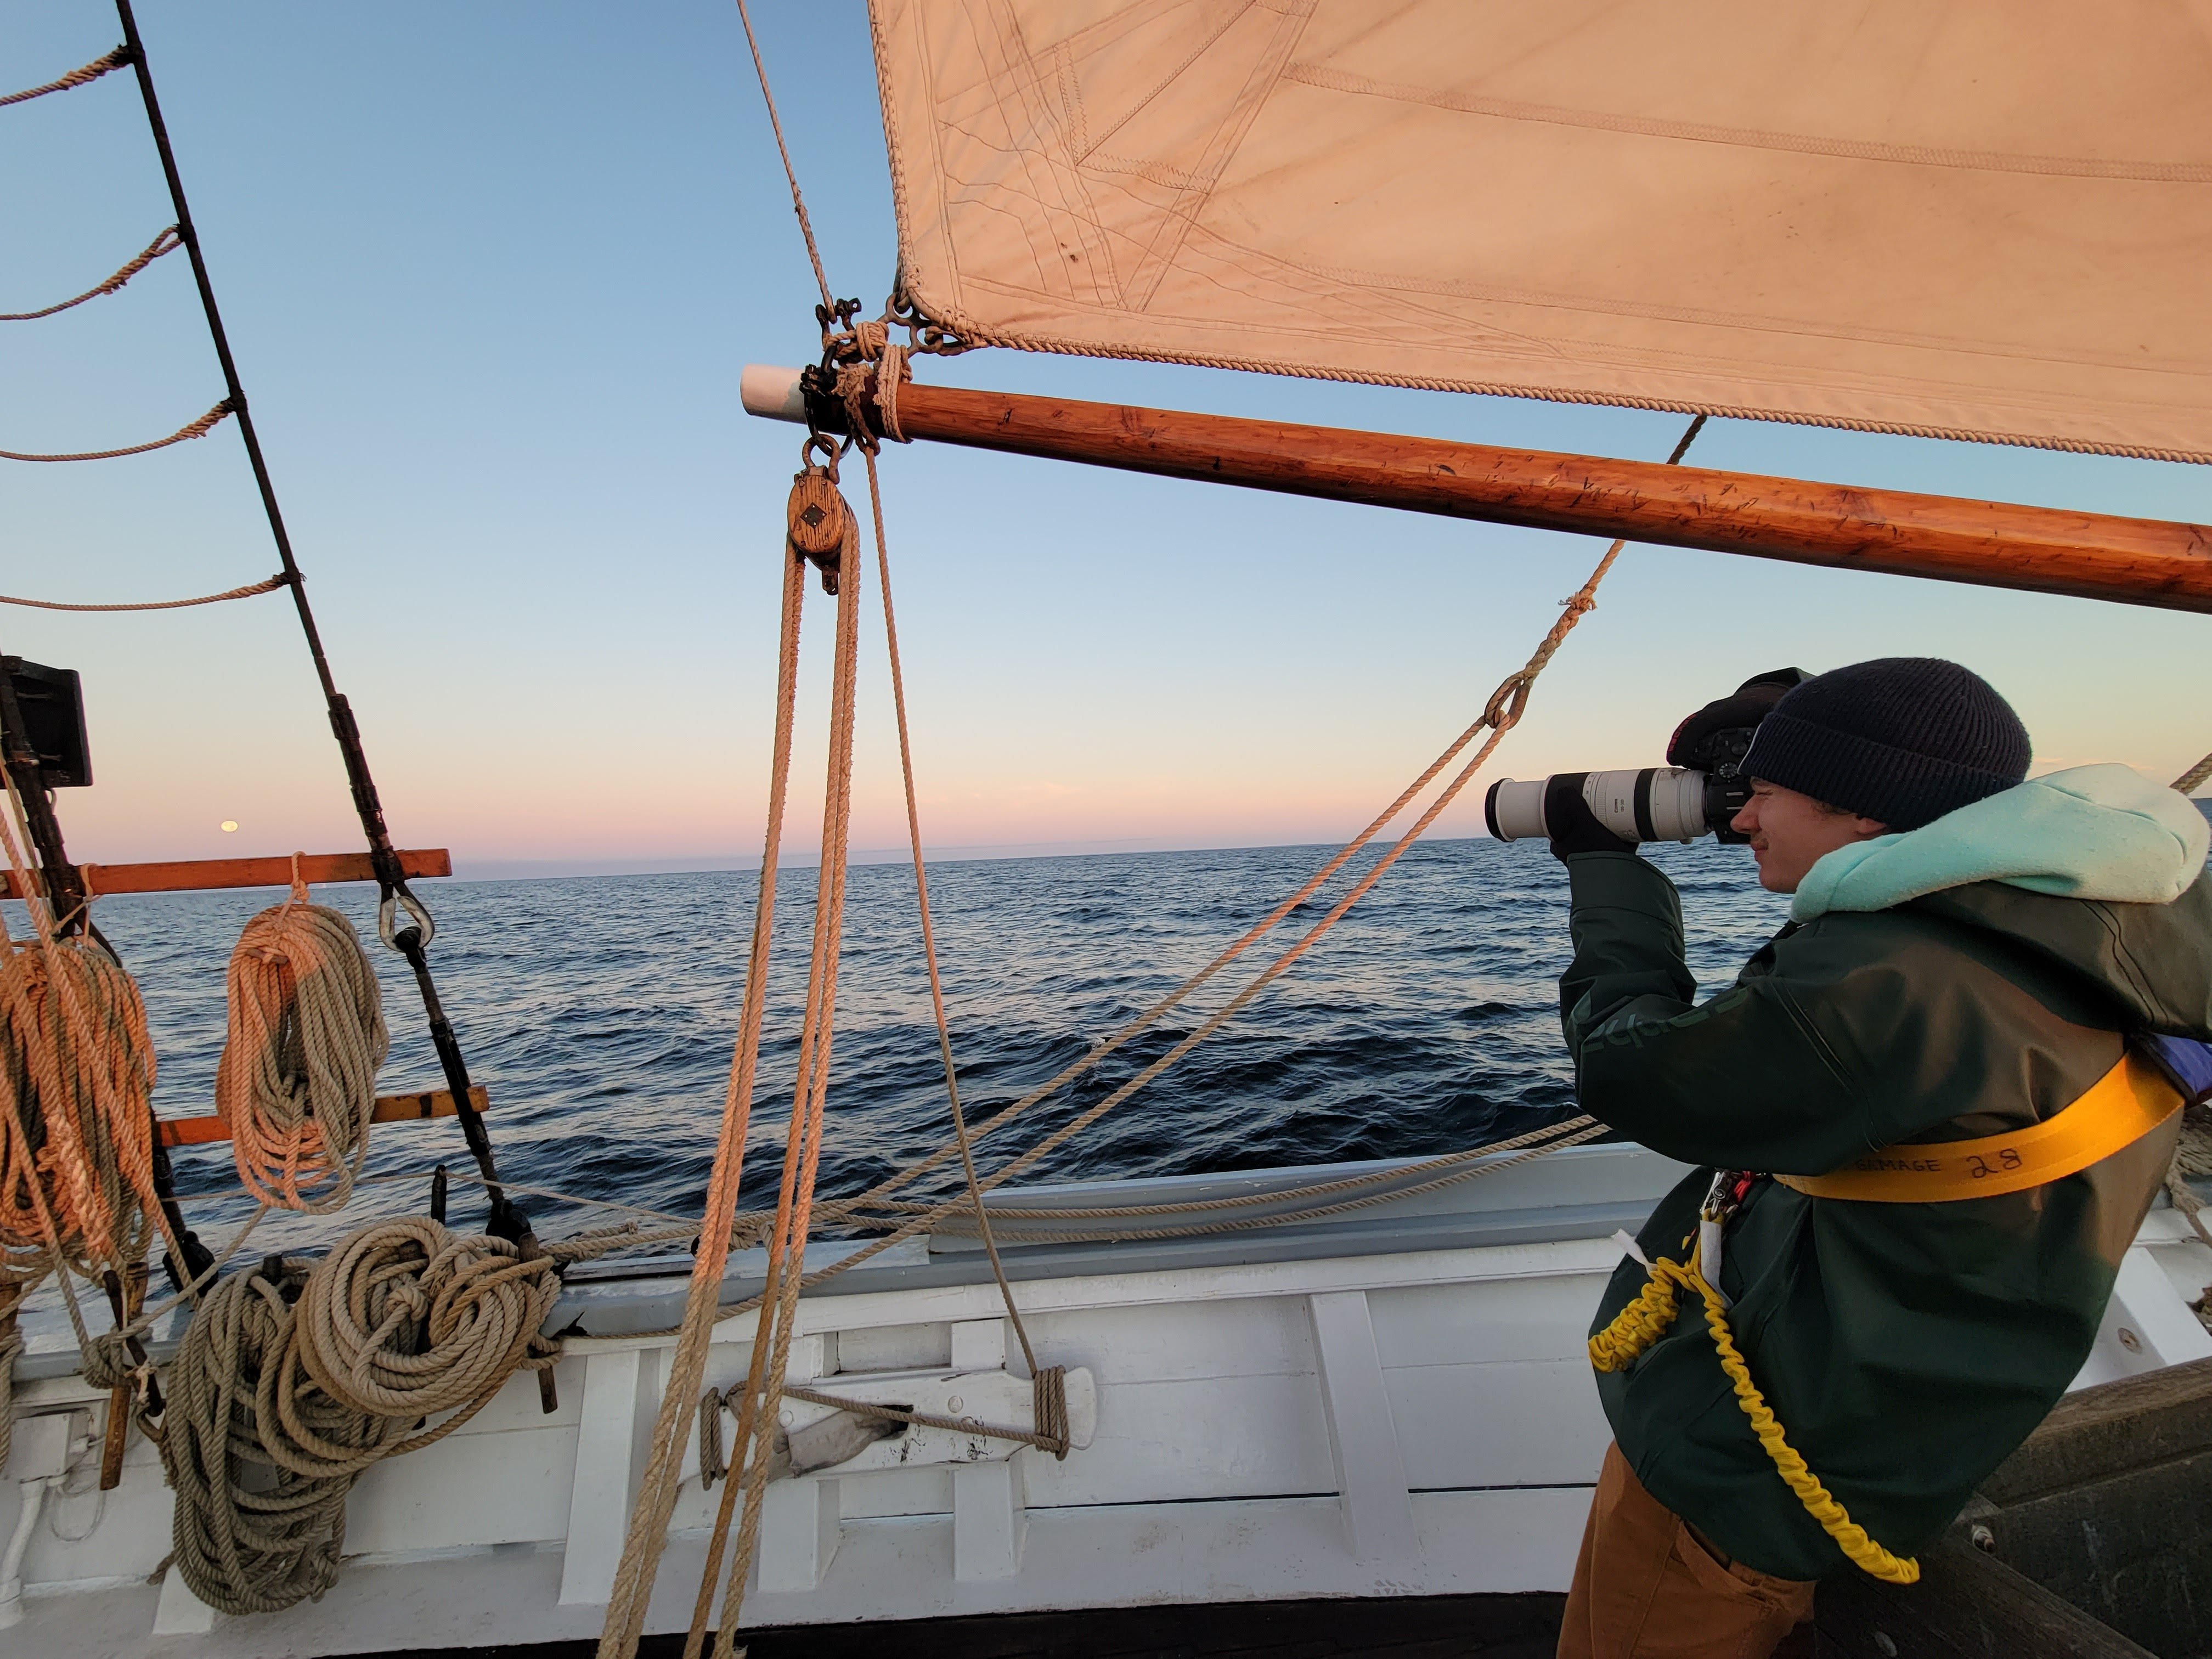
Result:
x=1972 y=976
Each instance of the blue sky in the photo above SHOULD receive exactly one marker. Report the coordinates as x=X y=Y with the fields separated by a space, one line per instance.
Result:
x=491 y=272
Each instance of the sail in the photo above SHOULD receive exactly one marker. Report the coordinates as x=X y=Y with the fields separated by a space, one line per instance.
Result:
x=1972 y=218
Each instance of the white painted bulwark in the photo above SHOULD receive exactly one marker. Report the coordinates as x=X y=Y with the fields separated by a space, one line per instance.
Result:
x=177 y=1611
x=612 y=1441
x=1346 y=1420
x=990 y=1522
x=798 y=1533
x=1363 y=1430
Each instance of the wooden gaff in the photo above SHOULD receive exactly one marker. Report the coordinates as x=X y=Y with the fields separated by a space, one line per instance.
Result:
x=1994 y=545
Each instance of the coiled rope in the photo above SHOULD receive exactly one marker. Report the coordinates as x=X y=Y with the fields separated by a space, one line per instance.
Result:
x=76 y=1143
x=76 y=1079
x=298 y=1078
x=1646 y=1318
x=294 y=1377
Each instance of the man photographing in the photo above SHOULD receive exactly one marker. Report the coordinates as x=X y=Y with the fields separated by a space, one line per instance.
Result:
x=1971 y=957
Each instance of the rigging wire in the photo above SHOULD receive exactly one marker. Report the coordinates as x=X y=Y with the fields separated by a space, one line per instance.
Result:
x=411 y=942
x=798 y=201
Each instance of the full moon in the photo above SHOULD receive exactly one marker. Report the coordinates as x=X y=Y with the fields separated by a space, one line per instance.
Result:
x=228 y=825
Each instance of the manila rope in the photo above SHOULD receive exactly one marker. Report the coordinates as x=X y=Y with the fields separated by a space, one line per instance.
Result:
x=294 y=1377
x=297 y=1082
x=76 y=1079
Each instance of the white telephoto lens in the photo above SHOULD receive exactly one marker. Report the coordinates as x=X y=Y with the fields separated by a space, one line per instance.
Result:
x=1648 y=803
x=1515 y=811
x=1678 y=805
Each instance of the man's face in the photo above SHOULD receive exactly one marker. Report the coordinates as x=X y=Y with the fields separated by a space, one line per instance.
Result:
x=1790 y=833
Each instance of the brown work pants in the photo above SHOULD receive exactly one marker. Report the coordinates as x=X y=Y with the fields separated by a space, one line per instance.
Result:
x=1646 y=1588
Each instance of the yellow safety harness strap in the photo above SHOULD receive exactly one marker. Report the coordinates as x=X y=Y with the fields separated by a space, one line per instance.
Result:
x=2118 y=1110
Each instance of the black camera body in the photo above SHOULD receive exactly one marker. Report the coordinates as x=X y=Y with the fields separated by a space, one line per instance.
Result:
x=1718 y=754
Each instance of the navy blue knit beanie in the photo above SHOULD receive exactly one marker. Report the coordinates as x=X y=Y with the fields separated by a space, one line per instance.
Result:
x=1903 y=739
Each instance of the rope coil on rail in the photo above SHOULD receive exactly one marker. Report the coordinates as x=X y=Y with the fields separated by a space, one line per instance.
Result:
x=76 y=1081
x=167 y=242
x=297 y=1082
x=294 y=1377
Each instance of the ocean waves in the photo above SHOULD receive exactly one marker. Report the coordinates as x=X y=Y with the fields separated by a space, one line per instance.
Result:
x=600 y=1013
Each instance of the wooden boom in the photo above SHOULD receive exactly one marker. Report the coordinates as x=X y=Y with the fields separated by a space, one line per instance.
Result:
x=2041 y=550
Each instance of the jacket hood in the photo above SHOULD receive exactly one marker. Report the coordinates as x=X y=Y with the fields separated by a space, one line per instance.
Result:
x=2091 y=832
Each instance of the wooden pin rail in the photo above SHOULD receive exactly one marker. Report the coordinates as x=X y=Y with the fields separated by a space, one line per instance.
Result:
x=389 y=1108
x=2042 y=550
x=203 y=875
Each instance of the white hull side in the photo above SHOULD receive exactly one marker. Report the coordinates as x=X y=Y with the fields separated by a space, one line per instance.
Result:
x=1420 y=1421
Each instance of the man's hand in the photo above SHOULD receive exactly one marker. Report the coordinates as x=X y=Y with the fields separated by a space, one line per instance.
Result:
x=1574 y=827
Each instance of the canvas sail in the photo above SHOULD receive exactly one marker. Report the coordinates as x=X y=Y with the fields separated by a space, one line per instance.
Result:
x=1974 y=218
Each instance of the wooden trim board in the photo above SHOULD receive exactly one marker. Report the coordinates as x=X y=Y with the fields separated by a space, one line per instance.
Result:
x=203 y=875
x=389 y=1108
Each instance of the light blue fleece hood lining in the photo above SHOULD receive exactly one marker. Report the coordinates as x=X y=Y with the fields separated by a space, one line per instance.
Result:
x=2091 y=832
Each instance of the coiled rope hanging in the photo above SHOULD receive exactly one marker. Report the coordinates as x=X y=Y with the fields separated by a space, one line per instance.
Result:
x=76 y=1083
x=293 y=1378
x=298 y=1078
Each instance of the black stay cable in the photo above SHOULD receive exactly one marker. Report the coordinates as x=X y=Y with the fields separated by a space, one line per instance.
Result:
x=410 y=941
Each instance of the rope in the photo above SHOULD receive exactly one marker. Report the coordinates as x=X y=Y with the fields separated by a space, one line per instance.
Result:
x=798 y=201
x=11 y=1345
x=921 y=891
x=1643 y=1321
x=1507 y=705
x=199 y=429
x=1555 y=1137
x=76 y=77
x=167 y=242
x=657 y=1490
x=771 y=1348
x=76 y=1079
x=649 y=1519
x=972 y=334
x=2194 y=776
x=405 y=1320
x=247 y=593
x=76 y=1143
x=250 y=1533
x=298 y=1077
x=293 y=1379
x=712 y=1466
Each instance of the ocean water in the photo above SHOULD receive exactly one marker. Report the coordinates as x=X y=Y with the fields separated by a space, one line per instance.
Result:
x=600 y=1013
